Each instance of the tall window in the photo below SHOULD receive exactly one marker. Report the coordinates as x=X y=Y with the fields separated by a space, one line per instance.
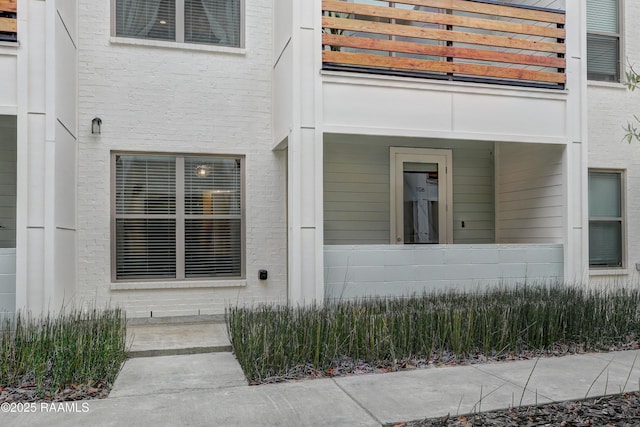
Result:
x=216 y=22
x=603 y=40
x=177 y=217
x=606 y=219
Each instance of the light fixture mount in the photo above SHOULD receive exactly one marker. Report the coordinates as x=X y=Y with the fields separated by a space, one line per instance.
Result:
x=96 y=126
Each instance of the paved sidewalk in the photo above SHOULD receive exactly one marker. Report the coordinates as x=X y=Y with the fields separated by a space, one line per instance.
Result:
x=210 y=390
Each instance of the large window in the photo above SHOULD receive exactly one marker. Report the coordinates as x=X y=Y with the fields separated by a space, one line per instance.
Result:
x=603 y=40
x=177 y=217
x=606 y=219
x=215 y=22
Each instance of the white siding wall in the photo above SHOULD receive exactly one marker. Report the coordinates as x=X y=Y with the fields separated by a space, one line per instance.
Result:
x=175 y=99
x=529 y=193
x=7 y=282
x=610 y=107
x=356 y=188
x=359 y=271
x=8 y=181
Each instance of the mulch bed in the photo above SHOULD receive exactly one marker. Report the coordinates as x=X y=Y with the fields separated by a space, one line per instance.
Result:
x=27 y=392
x=618 y=410
x=345 y=366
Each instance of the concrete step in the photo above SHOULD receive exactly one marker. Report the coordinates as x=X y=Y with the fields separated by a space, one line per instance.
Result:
x=155 y=337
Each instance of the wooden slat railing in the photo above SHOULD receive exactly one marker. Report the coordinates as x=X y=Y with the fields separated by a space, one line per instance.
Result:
x=489 y=41
x=8 y=21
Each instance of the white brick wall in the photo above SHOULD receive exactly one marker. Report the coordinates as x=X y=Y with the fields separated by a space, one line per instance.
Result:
x=611 y=107
x=187 y=101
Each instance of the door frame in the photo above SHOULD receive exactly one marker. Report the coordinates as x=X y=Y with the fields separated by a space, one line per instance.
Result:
x=443 y=158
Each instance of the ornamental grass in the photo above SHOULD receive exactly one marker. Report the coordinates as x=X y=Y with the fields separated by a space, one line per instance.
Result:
x=271 y=340
x=76 y=347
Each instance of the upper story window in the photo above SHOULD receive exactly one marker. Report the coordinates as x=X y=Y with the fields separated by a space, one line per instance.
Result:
x=214 y=22
x=604 y=45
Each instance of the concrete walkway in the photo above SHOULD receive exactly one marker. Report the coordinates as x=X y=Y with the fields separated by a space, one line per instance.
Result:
x=210 y=390
x=157 y=339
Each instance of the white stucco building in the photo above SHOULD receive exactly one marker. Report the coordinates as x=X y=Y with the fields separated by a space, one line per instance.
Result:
x=177 y=156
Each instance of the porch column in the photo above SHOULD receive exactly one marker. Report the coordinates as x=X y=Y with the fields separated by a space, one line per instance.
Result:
x=576 y=170
x=305 y=160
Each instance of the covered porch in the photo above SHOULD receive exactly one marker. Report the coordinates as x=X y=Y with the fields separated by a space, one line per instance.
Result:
x=489 y=213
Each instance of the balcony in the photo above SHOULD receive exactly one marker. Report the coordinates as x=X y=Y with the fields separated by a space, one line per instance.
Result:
x=464 y=40
x=8 y=21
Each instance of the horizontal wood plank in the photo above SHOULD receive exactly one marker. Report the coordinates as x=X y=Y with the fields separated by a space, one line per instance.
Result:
x=8 y=6
x=369 y=60
x=441 y=50
x=442 y=19
x=8 y=25
x=505 y=11
x=441 y=35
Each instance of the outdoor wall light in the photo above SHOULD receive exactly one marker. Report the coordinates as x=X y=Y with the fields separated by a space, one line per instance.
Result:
x=96 y=124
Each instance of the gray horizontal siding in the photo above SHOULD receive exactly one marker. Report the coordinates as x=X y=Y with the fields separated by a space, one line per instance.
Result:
x=356 y=188
x=8 y=161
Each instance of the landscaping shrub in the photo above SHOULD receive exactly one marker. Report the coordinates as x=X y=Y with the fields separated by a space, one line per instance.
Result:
x=52 y=352
x=271 y=340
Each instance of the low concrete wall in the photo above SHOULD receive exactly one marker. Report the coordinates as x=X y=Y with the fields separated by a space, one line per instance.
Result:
x=389 y=270
x=7 y=282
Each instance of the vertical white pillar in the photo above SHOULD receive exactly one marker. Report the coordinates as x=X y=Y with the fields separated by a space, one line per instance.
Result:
x=50 y=156
x=305 y=161
x=22 y=184
x=576 y=154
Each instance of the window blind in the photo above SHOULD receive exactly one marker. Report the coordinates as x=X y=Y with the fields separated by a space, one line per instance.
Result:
x=605 y=244
x=603 y=57
x=158 y=215
x=146 y=249
x=145 y=217
x=603 y=40
x=213 y=217
x=603 y=16
x=604 y=195
x=605 y=219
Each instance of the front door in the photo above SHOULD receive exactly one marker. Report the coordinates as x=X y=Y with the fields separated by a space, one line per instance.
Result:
x=420 y=196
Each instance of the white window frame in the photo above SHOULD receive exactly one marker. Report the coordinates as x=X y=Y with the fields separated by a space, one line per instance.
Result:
x=622 y=220
x=443 y=157
x=179 y=29
x=620 y=38
x=180 y=218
